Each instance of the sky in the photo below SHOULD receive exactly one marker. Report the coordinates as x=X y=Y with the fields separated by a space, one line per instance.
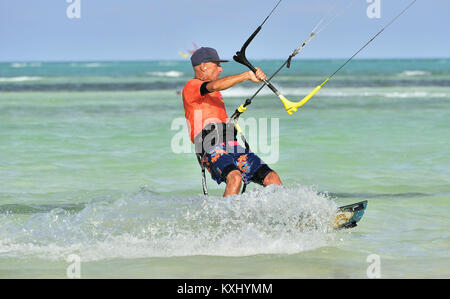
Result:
x=108 y=30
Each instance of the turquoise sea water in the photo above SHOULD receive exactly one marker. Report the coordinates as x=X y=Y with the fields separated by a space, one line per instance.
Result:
x=88 y=168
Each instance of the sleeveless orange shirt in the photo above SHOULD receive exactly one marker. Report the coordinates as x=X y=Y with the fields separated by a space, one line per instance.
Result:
x=202 y=110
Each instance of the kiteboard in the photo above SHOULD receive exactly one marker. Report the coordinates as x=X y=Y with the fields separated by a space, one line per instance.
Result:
x=348 y=216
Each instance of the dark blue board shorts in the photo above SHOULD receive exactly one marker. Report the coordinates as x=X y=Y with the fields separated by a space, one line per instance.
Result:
x=220 y=160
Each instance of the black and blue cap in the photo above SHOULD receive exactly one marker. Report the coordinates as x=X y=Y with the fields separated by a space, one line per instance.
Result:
x=205 y=54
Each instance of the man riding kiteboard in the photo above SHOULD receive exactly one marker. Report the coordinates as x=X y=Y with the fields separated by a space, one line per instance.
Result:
x=210 y=130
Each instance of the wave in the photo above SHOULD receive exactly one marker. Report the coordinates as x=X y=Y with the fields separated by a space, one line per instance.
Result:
x=79 y=86
x=171 y=74
x=414 y=73
x=86 y=65
x=19 y=79
x=22 y=65
x=416 y=94
x=92 y=65
x=263 y=221
x=354 y=92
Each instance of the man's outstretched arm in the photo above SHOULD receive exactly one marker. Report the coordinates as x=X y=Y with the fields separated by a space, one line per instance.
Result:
x=230 y=81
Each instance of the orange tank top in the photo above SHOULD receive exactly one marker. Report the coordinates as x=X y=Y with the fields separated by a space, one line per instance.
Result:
x=202 y=110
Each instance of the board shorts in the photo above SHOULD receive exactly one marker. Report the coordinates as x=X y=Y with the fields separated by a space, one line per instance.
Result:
x=220 y=160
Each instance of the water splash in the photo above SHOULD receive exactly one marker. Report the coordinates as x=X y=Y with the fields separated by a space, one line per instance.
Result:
x=273 y=220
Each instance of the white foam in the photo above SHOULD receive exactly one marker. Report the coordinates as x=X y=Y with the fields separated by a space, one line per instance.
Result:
x=22 y=65
x=18 y=65
x=92 y=65
x=242 y=92
x=414 y=73
x=259 y=222
x=86 y=65
x=416 y=94
x=19 y=79
x=171 y=74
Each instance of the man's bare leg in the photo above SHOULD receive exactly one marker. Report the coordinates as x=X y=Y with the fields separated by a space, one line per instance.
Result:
x=272 y=178
x=234 y=183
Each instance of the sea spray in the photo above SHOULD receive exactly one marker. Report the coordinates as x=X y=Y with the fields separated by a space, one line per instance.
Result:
x=138 y=225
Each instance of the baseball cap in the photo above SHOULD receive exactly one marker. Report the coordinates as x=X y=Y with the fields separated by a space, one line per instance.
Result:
x=205 y=54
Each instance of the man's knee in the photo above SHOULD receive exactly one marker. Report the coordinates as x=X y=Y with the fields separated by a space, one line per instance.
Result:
x=272 y=178
x=234 y=177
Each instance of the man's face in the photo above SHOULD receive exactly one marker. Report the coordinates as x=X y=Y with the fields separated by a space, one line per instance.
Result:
x=212 y=71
